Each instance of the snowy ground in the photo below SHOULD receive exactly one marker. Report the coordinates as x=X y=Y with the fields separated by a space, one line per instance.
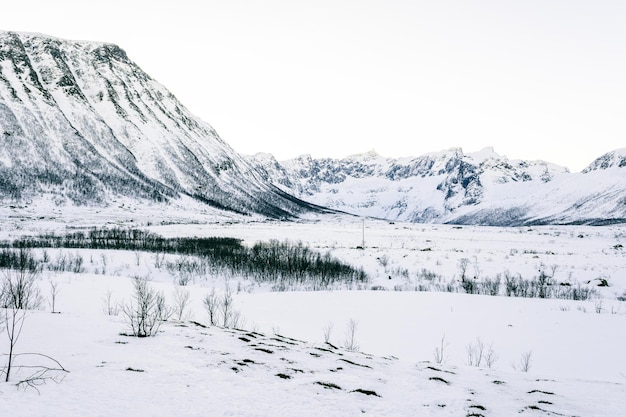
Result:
x=280 y=364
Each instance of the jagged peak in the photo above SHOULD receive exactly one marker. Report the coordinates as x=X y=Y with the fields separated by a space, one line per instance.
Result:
x=29 y=36
x=613 y=159
x=485 y=154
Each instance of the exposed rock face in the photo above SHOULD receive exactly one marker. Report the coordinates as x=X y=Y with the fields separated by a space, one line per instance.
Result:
x=81 y=122
x=450 y=186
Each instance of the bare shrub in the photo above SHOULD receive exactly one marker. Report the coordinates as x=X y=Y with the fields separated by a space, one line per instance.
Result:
x=525 y=361
x=440 y=351
x=211 y=303
x=475 y=353
x=19 y=285
x=181 y=302
x=350 y=342
x=148 y=311
x=463 y=263
x=490 y=356
x=226 y=306
x=54 y=292
x=491 y=286
x=479 y=354
x=111 y=308
x=328 y=330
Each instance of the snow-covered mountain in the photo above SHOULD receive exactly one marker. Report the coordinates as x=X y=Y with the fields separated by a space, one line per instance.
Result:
x=450 y=186
x=81 y=123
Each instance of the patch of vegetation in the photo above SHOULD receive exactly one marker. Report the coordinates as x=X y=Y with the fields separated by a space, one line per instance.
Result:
x=540 y=392
x=439 y=379
x=366 y=392
x=328 y=385
x=354 y=363
x=432 y=368
x=282 y=264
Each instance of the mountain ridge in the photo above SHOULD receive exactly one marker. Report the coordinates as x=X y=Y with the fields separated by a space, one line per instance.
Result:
x=82 y=124
x=450 y=186
x=79 y=120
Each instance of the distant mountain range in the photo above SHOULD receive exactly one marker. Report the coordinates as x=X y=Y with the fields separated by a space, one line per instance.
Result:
x=452 y=187
x=81 y=124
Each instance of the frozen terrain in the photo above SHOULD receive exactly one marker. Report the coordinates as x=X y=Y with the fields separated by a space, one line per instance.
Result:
x=279 y=362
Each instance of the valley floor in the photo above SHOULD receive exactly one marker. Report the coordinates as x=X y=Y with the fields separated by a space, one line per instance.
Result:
x=412 y=349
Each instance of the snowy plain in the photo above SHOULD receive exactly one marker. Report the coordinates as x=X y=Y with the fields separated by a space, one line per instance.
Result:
x=279 y=364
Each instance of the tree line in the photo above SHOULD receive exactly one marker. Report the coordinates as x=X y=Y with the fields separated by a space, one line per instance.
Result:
x=282 y=264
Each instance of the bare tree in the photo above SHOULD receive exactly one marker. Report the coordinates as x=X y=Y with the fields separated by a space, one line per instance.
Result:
x=211 y=302
x=54 y=292
x=18 y=294
x=14 y=322
x=226 y=306
x=19 y=288
x=350 y=342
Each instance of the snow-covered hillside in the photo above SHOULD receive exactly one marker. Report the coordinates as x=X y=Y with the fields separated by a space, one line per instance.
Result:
x=453 y=187
x=80 y=123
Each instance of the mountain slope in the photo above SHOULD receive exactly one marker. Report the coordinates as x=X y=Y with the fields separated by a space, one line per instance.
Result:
x=453 y=187
x=81 y=122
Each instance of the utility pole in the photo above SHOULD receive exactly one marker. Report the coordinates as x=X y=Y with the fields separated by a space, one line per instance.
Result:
x=363 y=234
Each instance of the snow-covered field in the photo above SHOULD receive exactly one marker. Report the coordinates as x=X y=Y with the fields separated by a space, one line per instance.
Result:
x=279 y=363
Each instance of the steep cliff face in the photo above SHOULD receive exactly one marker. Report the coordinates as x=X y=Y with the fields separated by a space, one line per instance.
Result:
x=450 y=186
x=81 y=122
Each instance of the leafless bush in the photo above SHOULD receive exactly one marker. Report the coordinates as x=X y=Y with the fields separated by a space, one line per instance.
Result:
x=490 y=356
x=463 y=263
x=226 y=306
x=475 y=353
x=598 y=306
x=350 y=342
x=19 y=289
x=111 y=308
x=148 y=311
x=525 y=362
x=479 y=354
x=440 y=351
x=181 y=302
x=383 y=261
x=328 y=330
x=54 y=292
x=211 y=303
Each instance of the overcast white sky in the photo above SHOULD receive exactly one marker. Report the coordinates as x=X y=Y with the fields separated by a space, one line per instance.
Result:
x=535 y=79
